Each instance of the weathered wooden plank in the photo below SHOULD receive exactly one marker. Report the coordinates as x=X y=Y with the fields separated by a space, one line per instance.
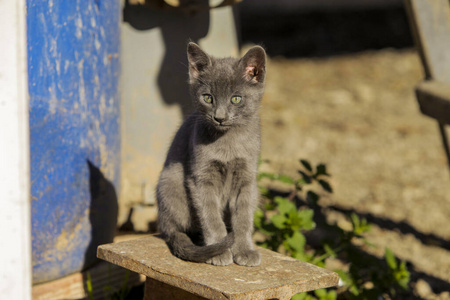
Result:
x=278 y=276
x=430 y=24
x=106 y=279
x=434 y=100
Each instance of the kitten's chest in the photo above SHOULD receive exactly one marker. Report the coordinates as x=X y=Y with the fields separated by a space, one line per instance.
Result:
x=233 y=148
x=227 y=163
x=229 y=177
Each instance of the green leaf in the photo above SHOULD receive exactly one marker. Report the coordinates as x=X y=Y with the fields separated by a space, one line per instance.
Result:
x=258 y=218
x=264 y=191
x=329 y=250
x=286 y=179
x=293 y=220
x=332 y=295
x=302 y=296
x=355 y=221
x=89 y=286
x=349 y=282
x=266 y=175
x=323 y=294
x=326 y=186
x=260 y=161
x=270 y=206
x=402 y=276
x=390 y=258
x=280 y=177
x=344 y=276
x=279 y=221
x=306 y=164
x=299 y=183
x=360 y=226
x=297 y=242
x=320 y=293
x=319 y=260
x=284 y=205
x=301 y=256
x=306 y=215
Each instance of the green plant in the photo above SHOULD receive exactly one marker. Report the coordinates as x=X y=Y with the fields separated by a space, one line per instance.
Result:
x=321 y=294
x=89 y=286
x=286 y=219
x=108 y=290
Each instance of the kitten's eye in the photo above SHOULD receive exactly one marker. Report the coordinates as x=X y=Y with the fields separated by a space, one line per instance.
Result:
x=236 y=99
x=207 y=98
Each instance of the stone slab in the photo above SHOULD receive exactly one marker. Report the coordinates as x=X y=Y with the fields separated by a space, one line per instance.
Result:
x=278 y=276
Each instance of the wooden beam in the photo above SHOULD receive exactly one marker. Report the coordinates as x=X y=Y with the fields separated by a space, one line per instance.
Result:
x=105 y=279
x=430 y=24
x=434 y=100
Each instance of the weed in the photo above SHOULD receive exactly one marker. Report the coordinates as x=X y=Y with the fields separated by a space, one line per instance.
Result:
x=109 y=292
x=286 y=220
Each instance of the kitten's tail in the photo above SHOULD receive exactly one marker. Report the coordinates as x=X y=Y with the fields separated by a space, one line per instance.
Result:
x=182 y=247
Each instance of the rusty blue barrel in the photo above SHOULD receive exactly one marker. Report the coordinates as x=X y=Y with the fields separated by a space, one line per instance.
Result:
x=73 y=66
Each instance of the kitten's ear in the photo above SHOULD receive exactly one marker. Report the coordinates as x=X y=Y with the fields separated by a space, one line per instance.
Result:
x=198 y=60
x=253 y=64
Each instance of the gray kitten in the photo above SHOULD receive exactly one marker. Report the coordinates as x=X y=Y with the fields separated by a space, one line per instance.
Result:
x=207 y=191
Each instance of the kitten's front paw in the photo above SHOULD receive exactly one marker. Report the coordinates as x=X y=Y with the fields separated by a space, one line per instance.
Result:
x=249 y=258
x=223 y=259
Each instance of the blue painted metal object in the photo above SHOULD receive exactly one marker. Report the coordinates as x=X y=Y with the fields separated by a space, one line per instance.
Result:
x=73 y=66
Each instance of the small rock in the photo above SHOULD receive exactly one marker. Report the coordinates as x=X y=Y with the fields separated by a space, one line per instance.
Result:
x=422 y=288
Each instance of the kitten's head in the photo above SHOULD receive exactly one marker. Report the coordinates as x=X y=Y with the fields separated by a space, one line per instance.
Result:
x=227 y=91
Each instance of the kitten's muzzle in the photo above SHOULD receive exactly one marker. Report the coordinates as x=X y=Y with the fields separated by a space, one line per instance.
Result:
x=219 y=120
x=222 y=123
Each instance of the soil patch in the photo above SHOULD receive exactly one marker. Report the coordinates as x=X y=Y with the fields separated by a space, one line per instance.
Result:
x=358 y=115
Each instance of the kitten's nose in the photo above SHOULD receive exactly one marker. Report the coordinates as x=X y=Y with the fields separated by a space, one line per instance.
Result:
x=220 y=115
x=219 y=119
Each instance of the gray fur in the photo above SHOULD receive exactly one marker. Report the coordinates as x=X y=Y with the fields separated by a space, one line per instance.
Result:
x=207 y=190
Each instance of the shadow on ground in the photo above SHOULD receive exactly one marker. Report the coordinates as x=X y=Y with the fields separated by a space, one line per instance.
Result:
x=402 y=227
x=325 y=232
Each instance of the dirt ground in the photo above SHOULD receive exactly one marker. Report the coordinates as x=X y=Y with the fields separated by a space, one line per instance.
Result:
x=358 y=115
